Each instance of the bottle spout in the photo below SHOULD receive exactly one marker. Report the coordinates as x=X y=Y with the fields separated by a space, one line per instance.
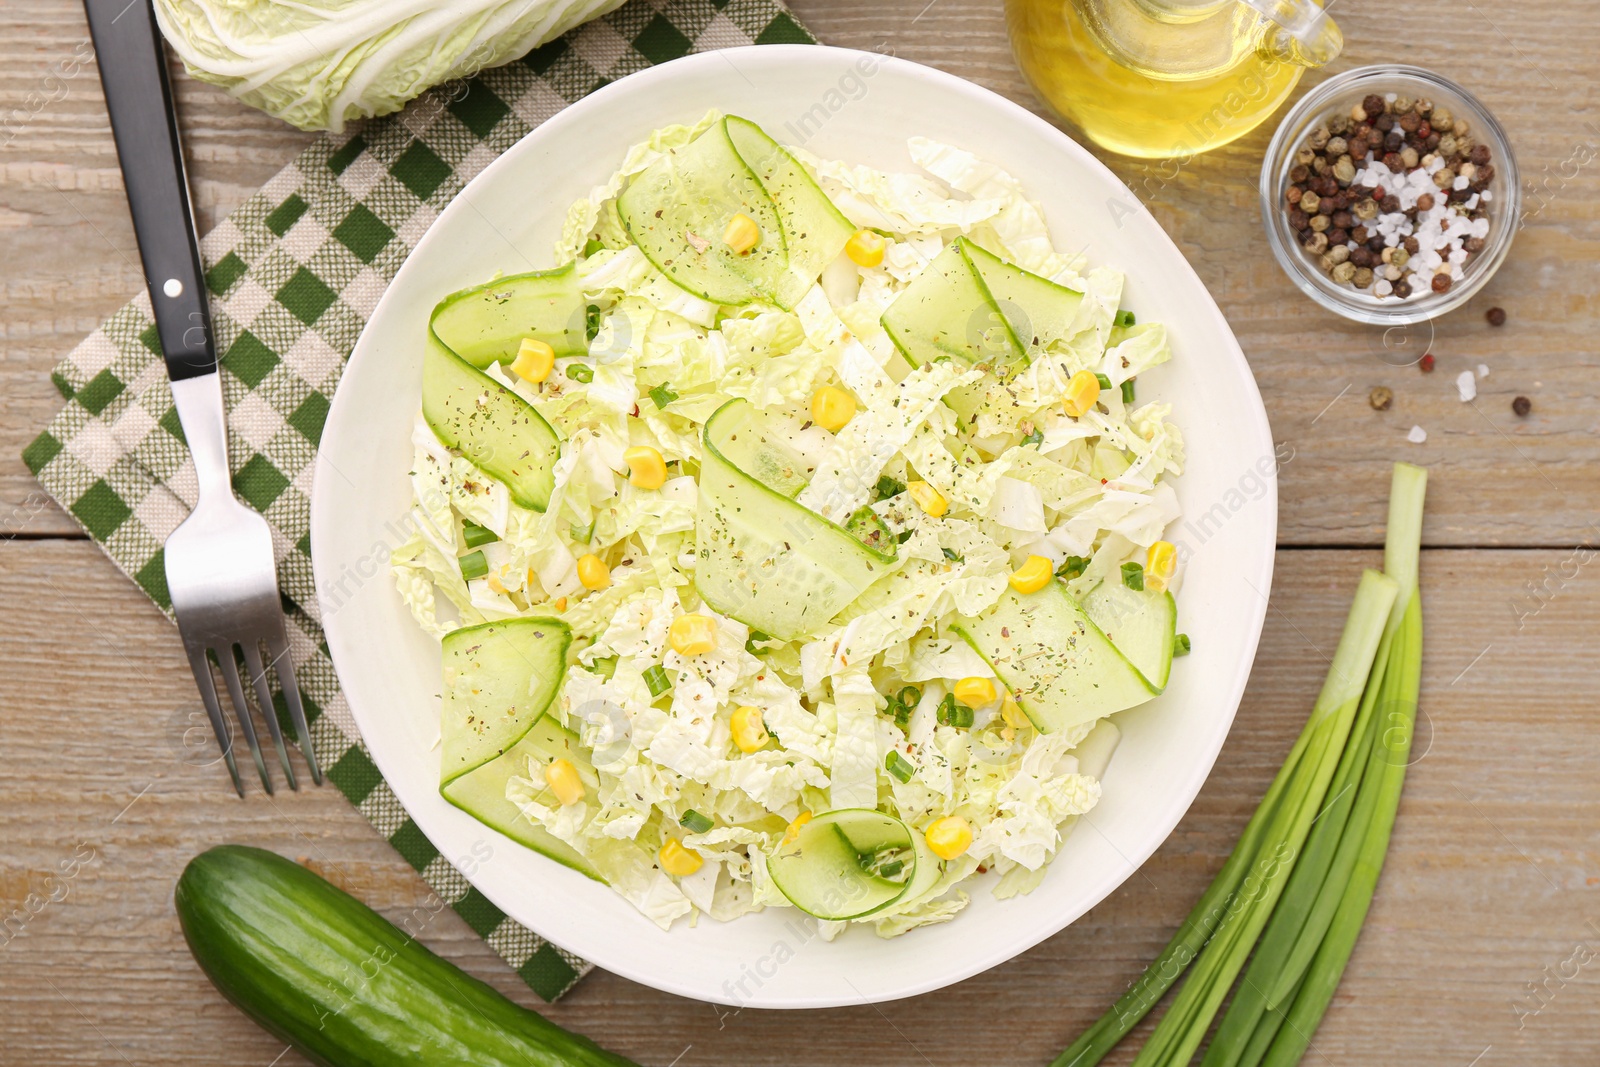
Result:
x=1301 y=32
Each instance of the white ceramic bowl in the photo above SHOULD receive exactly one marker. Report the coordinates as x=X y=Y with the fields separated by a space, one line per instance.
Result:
x=861 y=107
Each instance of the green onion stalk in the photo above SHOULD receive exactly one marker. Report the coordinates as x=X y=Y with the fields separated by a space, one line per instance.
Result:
x=1294 y=847
x=1368 y=841
x=1371 y=769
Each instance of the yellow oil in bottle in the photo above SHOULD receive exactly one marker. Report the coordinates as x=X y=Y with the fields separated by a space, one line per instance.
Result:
x=1151 y=80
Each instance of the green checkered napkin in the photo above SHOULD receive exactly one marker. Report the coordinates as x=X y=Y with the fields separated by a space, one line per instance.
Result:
x=293 y=275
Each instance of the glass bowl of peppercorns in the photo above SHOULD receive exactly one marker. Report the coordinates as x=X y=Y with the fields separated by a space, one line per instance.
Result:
x=1390 y=195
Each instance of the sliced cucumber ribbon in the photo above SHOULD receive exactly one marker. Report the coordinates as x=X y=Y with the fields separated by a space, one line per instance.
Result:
x=498 y=431
x=853 y=862
x=679 y=207
x=1141 y=623
x=500 y=679
x=971 y=305
x=1057 y=664
x=486 y=323
x=764 y=559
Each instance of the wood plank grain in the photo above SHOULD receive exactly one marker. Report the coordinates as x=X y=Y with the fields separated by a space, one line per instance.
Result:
x=1497 y=479
x=1490 y=880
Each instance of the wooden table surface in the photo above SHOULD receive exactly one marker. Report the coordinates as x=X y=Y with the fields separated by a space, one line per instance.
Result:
x=1492 y=889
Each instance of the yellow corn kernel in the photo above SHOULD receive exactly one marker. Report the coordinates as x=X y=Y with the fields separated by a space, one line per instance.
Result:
x=646 y=467
x=593 y=572
x=749 y=729
x=974 y=692
x=681 y=862
x=534 y=361
x=562 y=778
x=949 y=837
x=865 y=248
x=742 y=233
x=1013 y=714
x=929 y=499
x=692 y=635
x=1159 y=563
x=494 y=583
x=1033 y=575
x=792 y=834
x=560 y=604
x=832 y=408
x=1082 y=393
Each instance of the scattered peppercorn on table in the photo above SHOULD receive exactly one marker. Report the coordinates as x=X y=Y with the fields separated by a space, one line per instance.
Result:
x=1479 y=946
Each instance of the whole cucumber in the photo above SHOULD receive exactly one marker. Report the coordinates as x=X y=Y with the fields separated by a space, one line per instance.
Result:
x=342 y=984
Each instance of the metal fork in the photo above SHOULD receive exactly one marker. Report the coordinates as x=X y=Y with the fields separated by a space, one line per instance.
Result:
x=219 y=562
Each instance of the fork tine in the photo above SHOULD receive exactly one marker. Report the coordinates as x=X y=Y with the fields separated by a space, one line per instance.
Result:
x=201 y=669
x=230 y=675
x=278 y=649
x=258 y=675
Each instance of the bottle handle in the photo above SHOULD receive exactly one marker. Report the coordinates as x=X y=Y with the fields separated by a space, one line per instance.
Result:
x=1302 y=32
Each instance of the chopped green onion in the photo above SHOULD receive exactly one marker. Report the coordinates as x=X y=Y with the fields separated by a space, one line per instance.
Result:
x=1072 y=567
x=888 y=487
x=1180 y=645
x=1127 y=391
x=886 y=863
x=473 y=565
x=591 y=321
x=1124 y=318
x=953 y=713
x=903 y=536
x=694 y=822
x=1105 y=382
x=582 y=534
x=662 y=395
x=591 y=246
x=1133 y=575
x=899 y=766
x=580 y=372
x=477 y=536
x=750 y=642
x=656 y=679
x=902 y=704
x=1034 y=438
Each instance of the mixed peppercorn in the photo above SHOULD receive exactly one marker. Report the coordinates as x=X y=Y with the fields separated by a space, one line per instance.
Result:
x=1390 y=196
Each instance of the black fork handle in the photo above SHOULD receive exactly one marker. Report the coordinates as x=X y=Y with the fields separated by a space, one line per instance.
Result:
x=133 y=71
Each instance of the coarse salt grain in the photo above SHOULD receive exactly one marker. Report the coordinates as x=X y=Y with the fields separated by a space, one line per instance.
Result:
x=1467 y=386
x=1417 y=435
x=1461 y=182
x=1382 y=288
x=1483 y=370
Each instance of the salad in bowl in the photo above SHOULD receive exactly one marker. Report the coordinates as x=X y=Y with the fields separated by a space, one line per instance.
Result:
x=790 y=541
